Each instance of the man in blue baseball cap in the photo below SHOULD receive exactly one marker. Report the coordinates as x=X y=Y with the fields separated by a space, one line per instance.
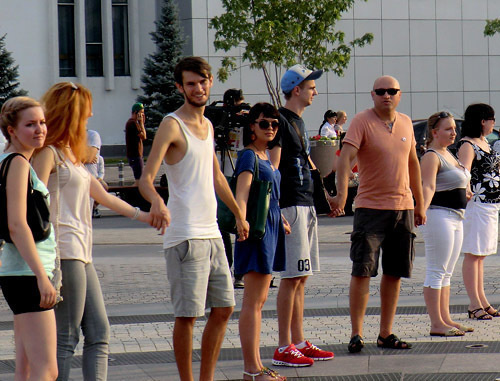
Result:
x=290 y=150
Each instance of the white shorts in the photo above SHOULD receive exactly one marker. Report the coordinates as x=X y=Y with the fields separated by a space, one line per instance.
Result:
x=302 y=250
x=481 y=228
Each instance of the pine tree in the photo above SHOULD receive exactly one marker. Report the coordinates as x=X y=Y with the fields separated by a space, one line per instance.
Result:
x=8 y=75
x=160 y=94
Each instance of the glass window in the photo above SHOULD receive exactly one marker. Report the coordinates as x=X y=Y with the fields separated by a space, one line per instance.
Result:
x=93 y=38
x=120 y=37
x=66 y=24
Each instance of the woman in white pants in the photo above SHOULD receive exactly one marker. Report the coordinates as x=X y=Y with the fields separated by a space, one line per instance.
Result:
x=445 y=182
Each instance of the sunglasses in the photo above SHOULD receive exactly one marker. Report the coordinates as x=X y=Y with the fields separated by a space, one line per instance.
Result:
x=264 y=124
x=493 y=119
x=381 y=92
x=441 y=115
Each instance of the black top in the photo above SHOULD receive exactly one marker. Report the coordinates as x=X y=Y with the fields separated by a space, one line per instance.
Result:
x=296 y=185
x=485 y=174
x=132 y=140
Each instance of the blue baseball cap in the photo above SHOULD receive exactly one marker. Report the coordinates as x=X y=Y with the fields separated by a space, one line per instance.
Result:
x=295 y=75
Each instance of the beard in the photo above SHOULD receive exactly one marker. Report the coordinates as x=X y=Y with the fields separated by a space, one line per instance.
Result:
x=194 y=102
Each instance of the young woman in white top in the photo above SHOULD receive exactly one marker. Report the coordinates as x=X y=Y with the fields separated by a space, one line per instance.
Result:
x=327 y=127
x=68 y=107
x=445 y=182
x=27 y=265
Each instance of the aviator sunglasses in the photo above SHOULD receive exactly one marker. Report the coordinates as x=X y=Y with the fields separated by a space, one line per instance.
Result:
x=264 y=124
x=381 y=92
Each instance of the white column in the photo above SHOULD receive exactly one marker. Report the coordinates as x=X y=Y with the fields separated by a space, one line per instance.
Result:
x=135 y=54
x=107 y=45
x=53 y=42
x=80 y=50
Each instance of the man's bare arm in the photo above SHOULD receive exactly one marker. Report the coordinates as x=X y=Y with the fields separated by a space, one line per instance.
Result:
x=163 y=139
x=416 y=187
x=347 y=155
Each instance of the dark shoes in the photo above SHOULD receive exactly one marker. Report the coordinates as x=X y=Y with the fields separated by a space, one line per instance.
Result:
x=491 y=311
x=356 y=344
x=479 y=314
x=392 y=342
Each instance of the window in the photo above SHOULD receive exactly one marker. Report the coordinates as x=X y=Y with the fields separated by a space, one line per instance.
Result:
x=66 y=21
x=120 y=37
x=93 y=38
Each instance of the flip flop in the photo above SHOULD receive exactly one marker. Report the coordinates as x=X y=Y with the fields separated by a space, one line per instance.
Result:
x=465 y=329
x=448 y=333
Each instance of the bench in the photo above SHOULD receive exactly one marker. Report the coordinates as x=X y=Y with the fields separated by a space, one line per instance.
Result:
x=131 y=195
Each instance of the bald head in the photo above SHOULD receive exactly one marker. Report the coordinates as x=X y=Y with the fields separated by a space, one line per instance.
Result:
x=386 y=95
x=386 y=82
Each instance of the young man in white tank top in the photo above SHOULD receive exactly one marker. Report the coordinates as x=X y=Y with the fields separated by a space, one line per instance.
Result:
x=193 y=245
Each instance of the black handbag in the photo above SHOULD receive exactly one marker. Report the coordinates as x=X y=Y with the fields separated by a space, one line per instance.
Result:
x=321 y=204
x=37 y=209
x=259 y=198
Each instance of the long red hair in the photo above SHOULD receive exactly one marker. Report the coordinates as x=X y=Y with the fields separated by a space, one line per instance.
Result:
x=67 y=108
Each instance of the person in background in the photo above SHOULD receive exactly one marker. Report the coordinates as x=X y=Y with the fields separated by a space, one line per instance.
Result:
x=27 y=265
x=135 y=133
x=92 y=162
x=445 y=181
x=341 y=119
x=258 y=258
x=60 y=165
x=481 y=214
x=327 y=127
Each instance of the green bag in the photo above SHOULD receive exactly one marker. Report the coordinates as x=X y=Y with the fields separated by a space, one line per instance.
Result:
x=257 y=205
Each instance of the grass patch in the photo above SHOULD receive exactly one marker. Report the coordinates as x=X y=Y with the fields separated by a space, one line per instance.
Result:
x=115 y=160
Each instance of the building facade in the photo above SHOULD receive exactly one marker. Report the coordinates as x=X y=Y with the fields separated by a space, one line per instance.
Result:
x=435 y=48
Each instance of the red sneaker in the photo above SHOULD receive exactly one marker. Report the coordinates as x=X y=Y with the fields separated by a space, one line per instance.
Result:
x=313 y=352
x=291 y=356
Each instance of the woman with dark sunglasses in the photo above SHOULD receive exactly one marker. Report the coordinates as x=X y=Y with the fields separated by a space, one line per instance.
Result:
x=481 y=214
x=445 y=182
x=258 y=258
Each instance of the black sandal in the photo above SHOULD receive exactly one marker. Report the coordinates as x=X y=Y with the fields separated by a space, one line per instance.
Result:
x=393 y=342
x=495 y=312
x=476 y=314
x=356 y=344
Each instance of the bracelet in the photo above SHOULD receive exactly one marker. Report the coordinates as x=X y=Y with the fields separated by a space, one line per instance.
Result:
x=137 y=211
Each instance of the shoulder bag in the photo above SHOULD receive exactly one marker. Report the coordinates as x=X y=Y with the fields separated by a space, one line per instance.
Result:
x=321 y=204
x=57 y=272
x=257 y=205
x=37 y=209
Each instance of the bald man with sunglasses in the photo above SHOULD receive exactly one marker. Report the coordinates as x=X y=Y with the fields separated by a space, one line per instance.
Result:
x=382 y=139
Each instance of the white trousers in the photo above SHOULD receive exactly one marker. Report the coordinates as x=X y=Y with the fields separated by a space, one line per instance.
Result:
x=443 y=235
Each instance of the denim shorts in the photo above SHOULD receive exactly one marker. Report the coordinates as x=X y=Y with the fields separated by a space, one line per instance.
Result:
x=389 y=230
x=22 y=294
x=199 y=277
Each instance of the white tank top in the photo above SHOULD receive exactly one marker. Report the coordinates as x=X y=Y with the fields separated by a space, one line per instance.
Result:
x=191 y=193
x=74 y=235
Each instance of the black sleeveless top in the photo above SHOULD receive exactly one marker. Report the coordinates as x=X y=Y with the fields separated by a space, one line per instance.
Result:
x=485 y=175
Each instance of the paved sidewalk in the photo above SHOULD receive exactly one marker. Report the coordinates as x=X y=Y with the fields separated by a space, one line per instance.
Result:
x=130 y=263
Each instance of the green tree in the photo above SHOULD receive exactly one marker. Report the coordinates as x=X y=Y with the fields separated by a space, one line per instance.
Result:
x=277 y=33
x=8 y=75
x=492 y=27
x=160 y=94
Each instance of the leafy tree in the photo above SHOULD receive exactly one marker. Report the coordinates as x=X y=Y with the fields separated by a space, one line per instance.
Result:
x=277 y=33
x=492 y=27
x=8 y=75
x=160 y=94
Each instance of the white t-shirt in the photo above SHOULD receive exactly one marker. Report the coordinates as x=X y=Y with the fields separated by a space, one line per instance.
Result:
x=328 y=130
x=3 y=143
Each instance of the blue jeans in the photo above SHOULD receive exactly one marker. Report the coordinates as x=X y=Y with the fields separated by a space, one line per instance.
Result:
x=83 y=306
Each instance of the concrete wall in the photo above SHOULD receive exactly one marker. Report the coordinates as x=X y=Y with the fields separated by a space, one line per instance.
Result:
x=32 y=38
x=435 y=48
